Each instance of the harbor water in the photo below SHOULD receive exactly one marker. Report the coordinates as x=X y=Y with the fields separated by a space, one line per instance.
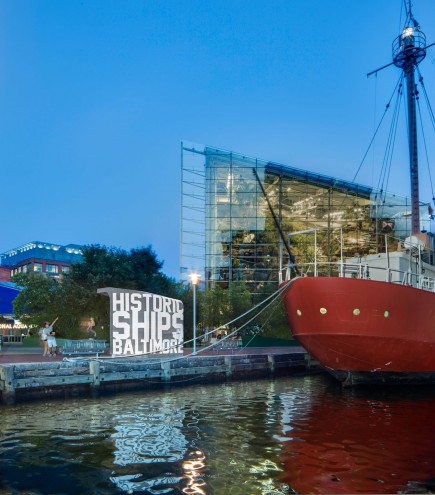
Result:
x=269 y=437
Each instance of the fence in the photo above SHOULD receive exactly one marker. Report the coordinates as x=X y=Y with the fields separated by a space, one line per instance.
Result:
x=15 y=339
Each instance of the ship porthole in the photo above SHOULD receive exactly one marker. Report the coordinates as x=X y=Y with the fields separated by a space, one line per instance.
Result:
x=356 y=311
x=323 y=311
x=386 y=314
x=299 y=312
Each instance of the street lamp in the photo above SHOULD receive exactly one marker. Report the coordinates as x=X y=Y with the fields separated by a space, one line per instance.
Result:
x=194 y=278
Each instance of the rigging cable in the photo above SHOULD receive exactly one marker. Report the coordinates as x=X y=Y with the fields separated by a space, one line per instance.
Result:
x=377 y=129
x=397 y=87
x=388 y=155
x=422 y=129
x=271 y=298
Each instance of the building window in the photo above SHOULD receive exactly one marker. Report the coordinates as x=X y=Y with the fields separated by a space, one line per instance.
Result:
x=65 y=269
x=37 y=267
x=52 y=269
x=25 y=269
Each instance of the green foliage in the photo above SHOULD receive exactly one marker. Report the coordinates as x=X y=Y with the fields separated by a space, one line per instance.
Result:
x=273 y=320
x=75 y=298
x=215 y=307
x=220 y=306
x=35 y=303
x=240 y=300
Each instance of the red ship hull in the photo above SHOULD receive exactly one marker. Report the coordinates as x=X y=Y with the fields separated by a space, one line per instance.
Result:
x=364 y=331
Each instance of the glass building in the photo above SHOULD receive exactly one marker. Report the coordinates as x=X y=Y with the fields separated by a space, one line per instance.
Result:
x=248 y=219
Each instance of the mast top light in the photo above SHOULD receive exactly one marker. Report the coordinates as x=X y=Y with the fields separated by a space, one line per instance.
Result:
x=407 y=32
x=409 y=48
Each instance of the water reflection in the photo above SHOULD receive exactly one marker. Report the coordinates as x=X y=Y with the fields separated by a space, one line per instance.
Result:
x=193 y=474
x=359 y=441
x=210 y=440
x=256 y=438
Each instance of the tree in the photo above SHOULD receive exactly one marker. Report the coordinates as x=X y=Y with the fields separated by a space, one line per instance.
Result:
x=219 y=306
x=35 y=302
x=215 y=307
x=101 y=267
x=273 y=320
x=240 y=301
x=76 y=297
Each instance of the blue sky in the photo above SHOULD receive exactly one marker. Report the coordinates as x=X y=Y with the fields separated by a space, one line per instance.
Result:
x=96 y=96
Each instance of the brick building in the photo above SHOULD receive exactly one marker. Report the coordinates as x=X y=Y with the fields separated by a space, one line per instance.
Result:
x=46 y=258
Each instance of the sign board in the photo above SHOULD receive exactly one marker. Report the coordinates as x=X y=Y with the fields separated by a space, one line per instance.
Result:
x=142 y=323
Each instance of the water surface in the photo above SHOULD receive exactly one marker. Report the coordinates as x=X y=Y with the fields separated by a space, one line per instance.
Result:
x=266 y=437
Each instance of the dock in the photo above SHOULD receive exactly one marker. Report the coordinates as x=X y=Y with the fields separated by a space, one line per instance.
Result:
x=28 y=377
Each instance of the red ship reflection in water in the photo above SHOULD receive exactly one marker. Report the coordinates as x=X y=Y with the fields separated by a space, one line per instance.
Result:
x=362 y=442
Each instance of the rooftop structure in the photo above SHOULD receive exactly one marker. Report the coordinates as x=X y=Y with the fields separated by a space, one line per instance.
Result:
x=41 y=257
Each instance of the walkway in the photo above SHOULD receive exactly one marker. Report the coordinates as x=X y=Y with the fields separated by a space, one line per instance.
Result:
x=16 y=353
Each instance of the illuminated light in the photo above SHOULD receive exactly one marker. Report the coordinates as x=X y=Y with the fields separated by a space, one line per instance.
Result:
x=386 y=314
x=299 y=312
x=356 y=311
x=407 y=32
x=323 y=311
x=193 y=474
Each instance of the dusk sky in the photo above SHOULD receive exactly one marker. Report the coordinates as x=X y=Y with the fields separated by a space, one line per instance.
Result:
x=96 y=96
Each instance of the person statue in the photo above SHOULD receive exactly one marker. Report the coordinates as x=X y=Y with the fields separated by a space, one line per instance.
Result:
x=91 y=327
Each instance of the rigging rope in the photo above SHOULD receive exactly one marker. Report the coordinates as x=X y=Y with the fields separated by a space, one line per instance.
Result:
x=377 y=129
x=388 y=155
x=425 y=146
x=432 y=118
x=273 y=298
x=397 y=88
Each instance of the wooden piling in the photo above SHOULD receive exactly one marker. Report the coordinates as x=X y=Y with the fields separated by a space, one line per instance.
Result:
x=7 y=385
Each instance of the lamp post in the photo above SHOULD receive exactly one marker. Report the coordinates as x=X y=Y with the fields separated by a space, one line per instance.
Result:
x=194 y=278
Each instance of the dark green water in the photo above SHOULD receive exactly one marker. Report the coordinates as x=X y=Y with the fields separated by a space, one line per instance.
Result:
x=243 y=438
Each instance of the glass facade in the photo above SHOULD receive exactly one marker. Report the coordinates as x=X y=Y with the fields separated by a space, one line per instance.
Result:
x=51 y=269
x=246 y=219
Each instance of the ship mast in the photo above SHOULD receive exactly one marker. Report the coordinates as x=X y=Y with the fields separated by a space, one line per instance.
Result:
x=409 y=49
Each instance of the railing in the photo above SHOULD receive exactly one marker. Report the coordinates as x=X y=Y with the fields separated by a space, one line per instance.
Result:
x=420 y=272
x=227 y=344
x=76 y=347
x=367 y=271
x=12 y=339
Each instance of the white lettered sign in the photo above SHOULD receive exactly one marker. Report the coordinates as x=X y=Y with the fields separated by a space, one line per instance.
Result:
x=143 y=323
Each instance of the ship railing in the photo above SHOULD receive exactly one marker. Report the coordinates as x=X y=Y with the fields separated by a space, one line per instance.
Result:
x=365 y=271
x=427 y=283
x=414 y=276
